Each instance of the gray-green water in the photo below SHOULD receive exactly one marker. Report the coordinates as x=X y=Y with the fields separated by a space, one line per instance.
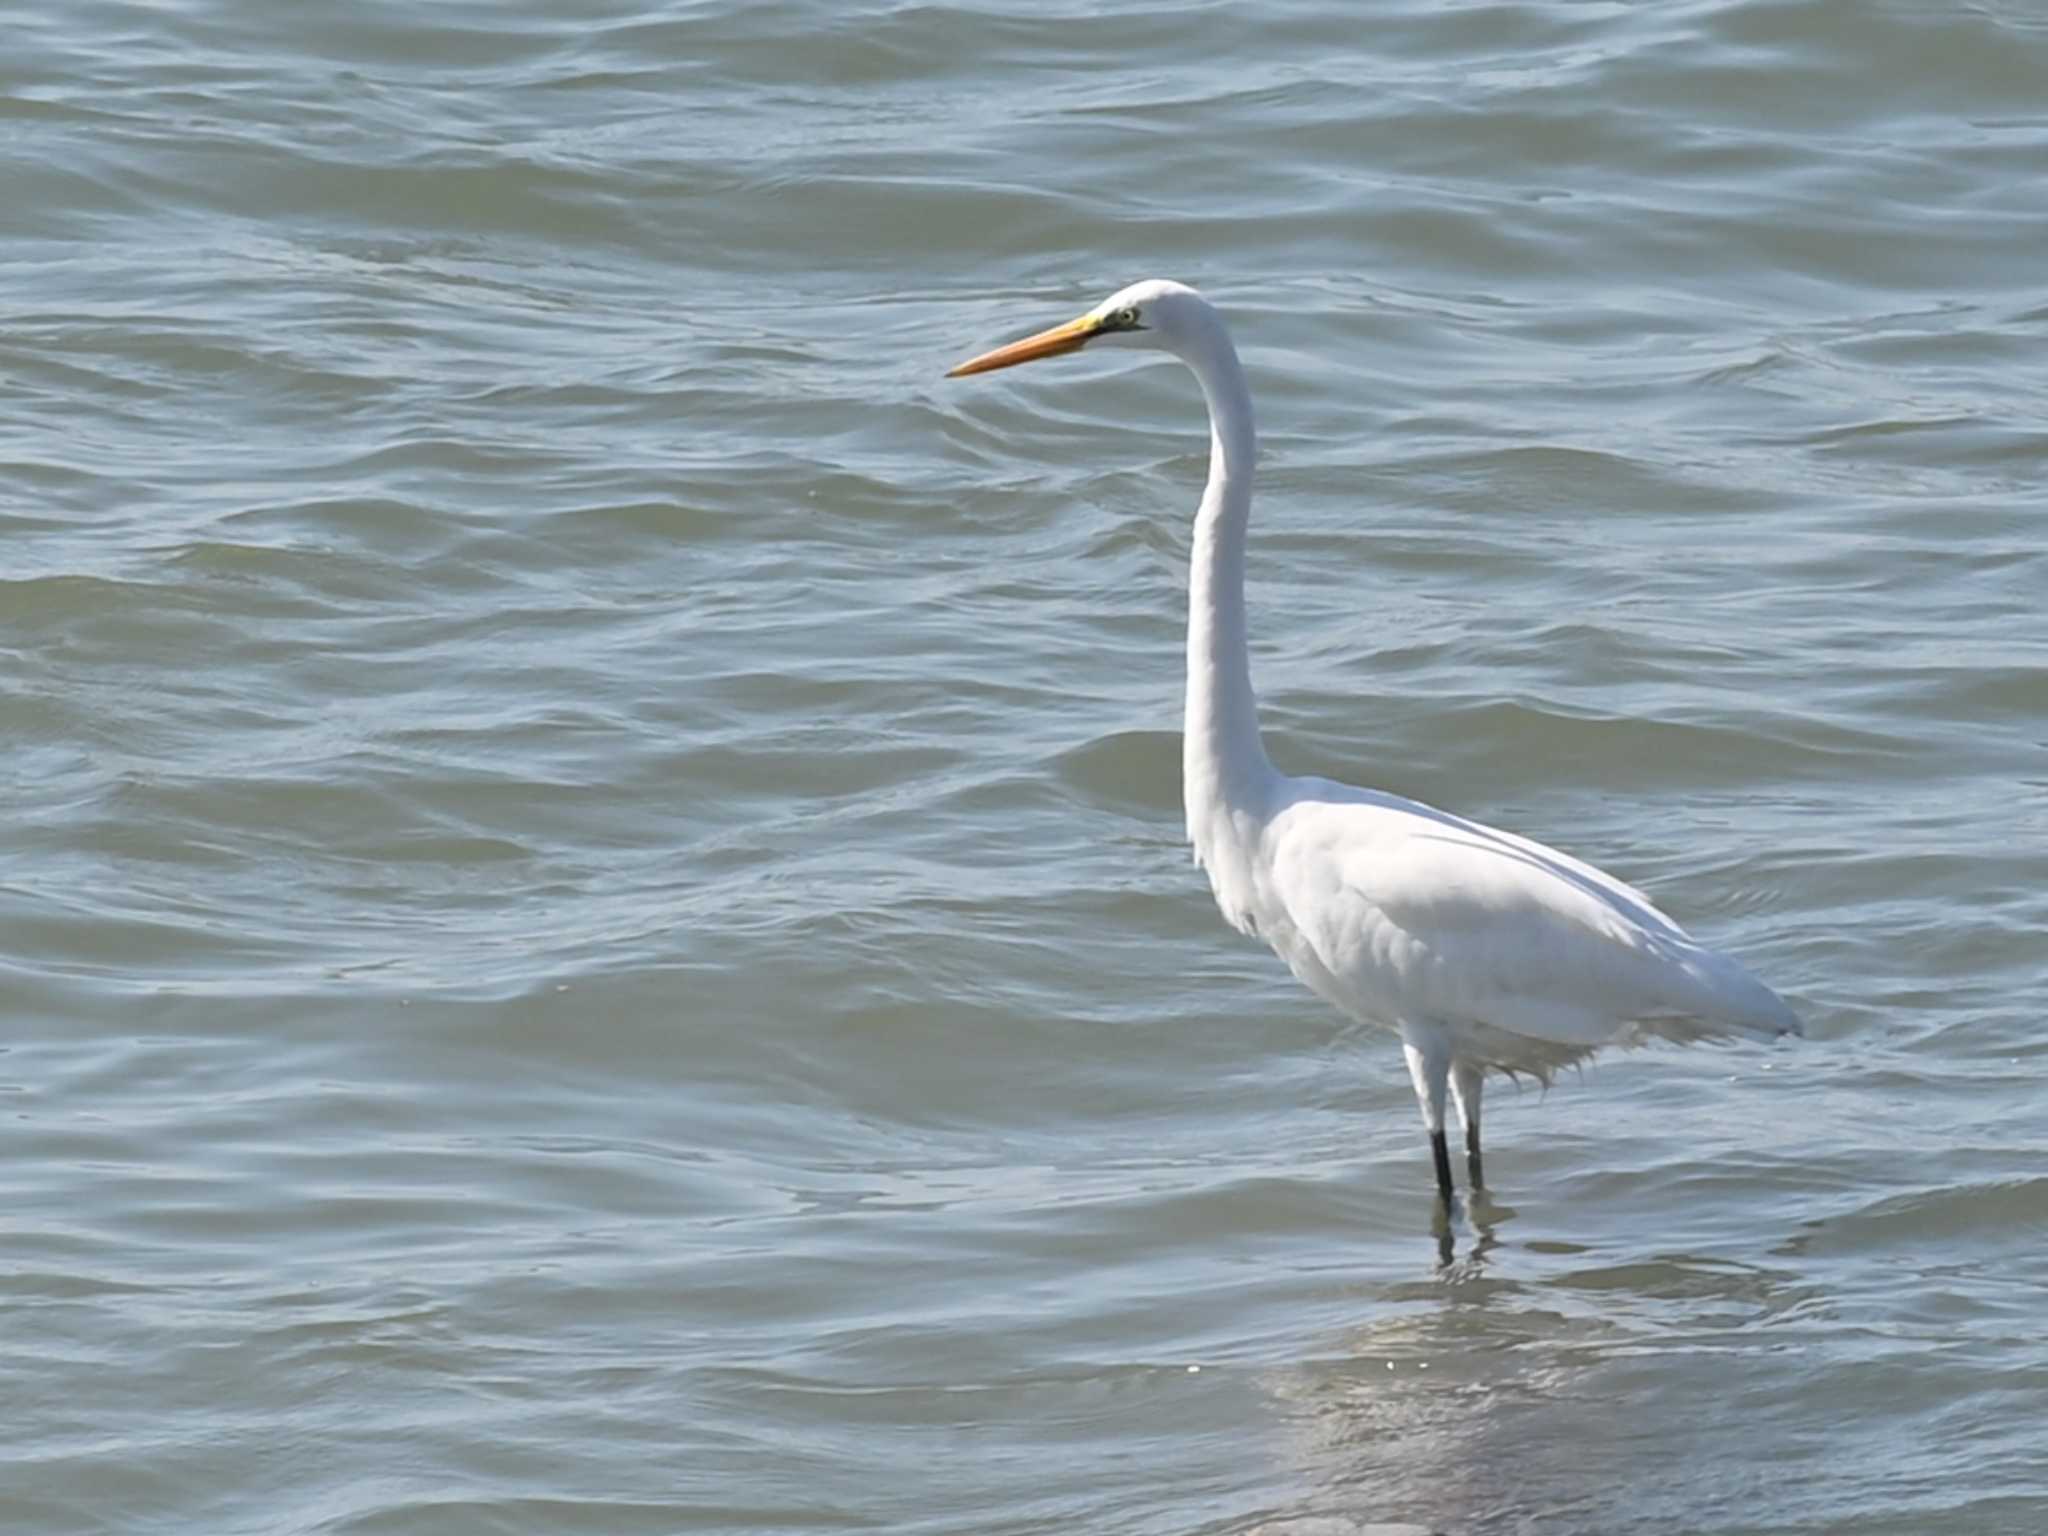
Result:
x=593 y=928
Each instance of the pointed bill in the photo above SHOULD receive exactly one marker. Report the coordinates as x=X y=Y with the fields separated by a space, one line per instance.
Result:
x=1061 y=338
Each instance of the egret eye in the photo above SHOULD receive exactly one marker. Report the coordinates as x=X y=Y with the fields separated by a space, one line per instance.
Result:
x=1127 y=318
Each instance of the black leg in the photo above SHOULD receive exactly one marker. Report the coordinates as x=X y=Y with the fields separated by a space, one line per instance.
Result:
x=1442 y=1152
x=1472 y=1156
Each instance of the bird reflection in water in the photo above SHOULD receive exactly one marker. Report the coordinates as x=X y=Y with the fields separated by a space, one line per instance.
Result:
x=1521 y=1385
x=1473 y=1220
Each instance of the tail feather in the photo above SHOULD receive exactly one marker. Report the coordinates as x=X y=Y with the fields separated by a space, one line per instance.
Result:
x=1726 y=1001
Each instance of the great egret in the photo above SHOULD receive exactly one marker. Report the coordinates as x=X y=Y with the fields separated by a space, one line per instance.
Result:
x=1483 y=950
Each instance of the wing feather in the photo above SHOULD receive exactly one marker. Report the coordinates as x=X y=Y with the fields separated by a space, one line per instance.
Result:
x=1403 y=912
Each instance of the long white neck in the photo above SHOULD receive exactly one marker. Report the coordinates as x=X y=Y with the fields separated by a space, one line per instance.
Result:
x=1227 y=775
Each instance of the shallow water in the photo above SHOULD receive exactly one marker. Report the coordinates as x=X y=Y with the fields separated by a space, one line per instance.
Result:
x=596 y=935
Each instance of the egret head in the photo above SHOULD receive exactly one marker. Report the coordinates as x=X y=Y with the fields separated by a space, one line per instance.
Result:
x=1156 y=313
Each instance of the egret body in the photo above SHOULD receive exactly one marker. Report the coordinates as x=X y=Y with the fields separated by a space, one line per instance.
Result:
x=1484 y=951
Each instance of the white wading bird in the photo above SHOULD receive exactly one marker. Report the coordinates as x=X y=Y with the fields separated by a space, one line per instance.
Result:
x=1483 y=950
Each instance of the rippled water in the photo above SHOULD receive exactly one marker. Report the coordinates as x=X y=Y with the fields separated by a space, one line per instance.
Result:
x=596 y=935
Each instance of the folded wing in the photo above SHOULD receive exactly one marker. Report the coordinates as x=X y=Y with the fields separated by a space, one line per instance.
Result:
x=1408 y=913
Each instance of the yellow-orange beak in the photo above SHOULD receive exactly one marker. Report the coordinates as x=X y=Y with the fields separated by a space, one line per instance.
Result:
x=1061 y=338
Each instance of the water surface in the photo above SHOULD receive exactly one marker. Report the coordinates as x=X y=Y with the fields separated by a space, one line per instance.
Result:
x=596 y=934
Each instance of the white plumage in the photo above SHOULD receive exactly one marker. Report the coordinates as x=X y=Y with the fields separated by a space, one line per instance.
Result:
x=1485 y=951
